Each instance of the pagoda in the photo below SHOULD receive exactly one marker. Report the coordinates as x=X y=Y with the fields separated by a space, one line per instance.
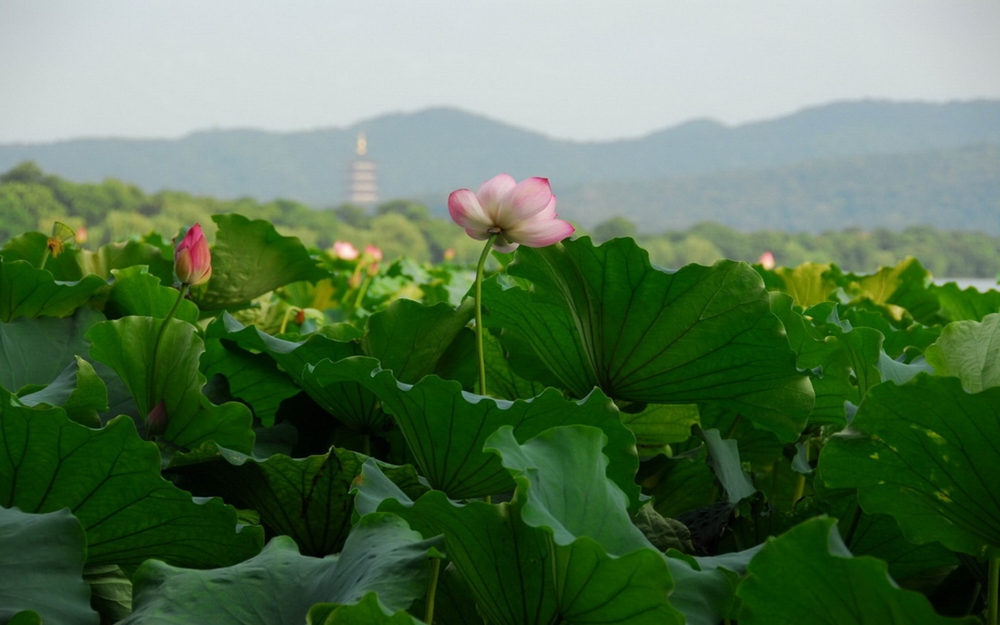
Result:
x=362 y=181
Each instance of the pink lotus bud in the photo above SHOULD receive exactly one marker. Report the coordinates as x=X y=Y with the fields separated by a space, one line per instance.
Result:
x=344 y=250
x=449 y=255
x=374 y=252
x=81 y=235
x=766 y=260
x=518 y=212
x=372 y=270
x=192 y=260
x=156 y=420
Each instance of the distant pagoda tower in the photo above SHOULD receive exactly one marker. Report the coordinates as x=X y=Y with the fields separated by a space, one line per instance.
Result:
x=362 y=181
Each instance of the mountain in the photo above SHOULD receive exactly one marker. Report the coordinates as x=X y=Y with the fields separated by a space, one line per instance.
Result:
x=437 y=150
x=955 y=189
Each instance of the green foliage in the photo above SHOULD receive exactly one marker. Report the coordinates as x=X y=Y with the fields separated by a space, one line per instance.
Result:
x=335 y=403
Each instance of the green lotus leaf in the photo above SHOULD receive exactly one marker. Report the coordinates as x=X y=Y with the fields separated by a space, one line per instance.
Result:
x=965 y=305
x=249 y=259
x=561 y=478
x=41 y=565
x=368 y=611
x=409 y=338
x=724 y=459
x=808 y=284
x=126 y=345
x=969 y=351
x=700 y=334
x=446 y=427
x=905 y=286
x=279 y=586
x=31 y=292
x=505 y=563
x=252 y=378
x=135 y=291
x=351 y=403
x=808 y=575
x=110 y=480
x=679 y=484
x=922 y=452
x=658 y=425
x=110 y=591
x=502 y=376
x=78 y=390
x=308 y=499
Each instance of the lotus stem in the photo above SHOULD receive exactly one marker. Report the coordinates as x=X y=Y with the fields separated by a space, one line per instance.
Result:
x=479 y=313
x=151 y=382
x=432 y=590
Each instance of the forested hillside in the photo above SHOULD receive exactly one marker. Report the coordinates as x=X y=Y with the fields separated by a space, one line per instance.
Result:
x=428 y=153
x=113 y=210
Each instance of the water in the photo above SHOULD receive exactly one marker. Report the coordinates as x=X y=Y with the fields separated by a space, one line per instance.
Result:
x=980 y=284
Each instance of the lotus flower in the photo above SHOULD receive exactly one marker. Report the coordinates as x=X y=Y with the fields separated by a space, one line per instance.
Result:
x=521 y=213
x=766 y=260
x=374 y=252
x=192 y=260
x=344 y=250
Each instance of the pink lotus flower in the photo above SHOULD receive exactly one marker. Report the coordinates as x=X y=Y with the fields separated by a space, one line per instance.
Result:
x=344 y=250
x=766 y=260
x=192 y=260
x=520 y=213
x=374 y=252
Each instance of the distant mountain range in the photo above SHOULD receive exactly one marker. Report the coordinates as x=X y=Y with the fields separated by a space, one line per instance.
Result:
x=830 y=166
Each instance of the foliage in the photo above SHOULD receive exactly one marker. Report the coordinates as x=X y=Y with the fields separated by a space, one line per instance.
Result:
x=711 y=443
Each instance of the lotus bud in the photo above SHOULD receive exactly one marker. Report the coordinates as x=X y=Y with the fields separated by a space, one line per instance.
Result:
x=156 y=420
x=192 y=260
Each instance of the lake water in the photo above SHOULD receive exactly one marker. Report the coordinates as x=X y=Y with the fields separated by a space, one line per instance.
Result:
x=981 y=284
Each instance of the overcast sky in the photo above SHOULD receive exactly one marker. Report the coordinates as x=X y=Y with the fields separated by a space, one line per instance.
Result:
x=577 y=69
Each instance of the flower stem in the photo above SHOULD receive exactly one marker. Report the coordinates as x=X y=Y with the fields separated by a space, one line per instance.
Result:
x=991 y=593
x=151 y=394
x=432 y=590
x=479 y=313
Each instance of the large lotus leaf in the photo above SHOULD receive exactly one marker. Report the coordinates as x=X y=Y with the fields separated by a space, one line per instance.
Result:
x=923 y=453
x=351 y=403
x=724 y=458
x=969 y=351
x=897 y=341
x=876 y=535
x=36 y=351
x=41 y=565
x=658 y=425
x=808 y=575
x=126 y=345
x=31 y=292
x=903 y=289
x=821 y=352
x=368 y=611
x=446 y=427
x=679 y=484
x=584 y=502
x=137 y=292
x=705 y=587
x=250 y=258
x=73 y=264
x=505 y=563
x=409 y=338
x=641 y=334
x=252 y=378
x=308 y=499
x=110 y=479
x=279 y=586
x=560 y=476
x=968 y=305
x=808 y=284
x=78 y=390
x=502 y=377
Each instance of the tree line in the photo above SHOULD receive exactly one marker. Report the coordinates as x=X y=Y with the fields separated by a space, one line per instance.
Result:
x=113 y=210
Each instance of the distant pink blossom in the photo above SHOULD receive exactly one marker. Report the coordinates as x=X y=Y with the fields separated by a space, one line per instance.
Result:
x=344 y=250
x=192 y=260
x=374 y=252
x=520 y=213
x=766 y=260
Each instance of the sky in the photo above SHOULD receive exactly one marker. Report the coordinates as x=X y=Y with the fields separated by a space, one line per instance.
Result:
x=570 y=69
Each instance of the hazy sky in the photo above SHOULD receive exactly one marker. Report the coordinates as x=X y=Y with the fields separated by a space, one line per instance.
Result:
x=578 y=69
